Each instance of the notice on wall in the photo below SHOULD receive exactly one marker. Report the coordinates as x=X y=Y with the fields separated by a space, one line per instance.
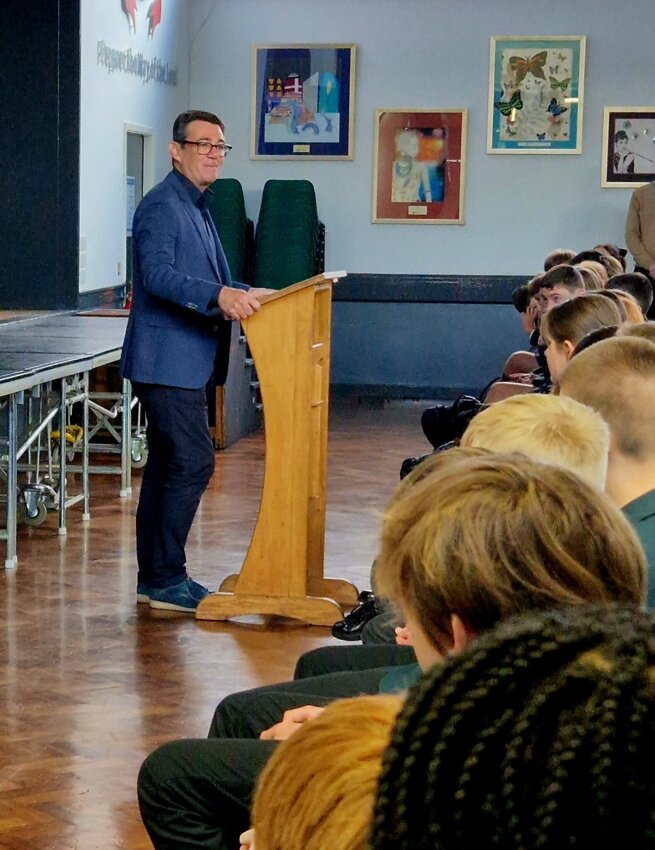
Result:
x=131 y=201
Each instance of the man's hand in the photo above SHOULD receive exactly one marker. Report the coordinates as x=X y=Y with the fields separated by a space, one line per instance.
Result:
x=291 y=721
x=261 y=291
x=238 y=303
x=651 y=270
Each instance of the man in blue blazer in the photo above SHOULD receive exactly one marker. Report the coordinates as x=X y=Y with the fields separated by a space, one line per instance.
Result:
x=178 y=337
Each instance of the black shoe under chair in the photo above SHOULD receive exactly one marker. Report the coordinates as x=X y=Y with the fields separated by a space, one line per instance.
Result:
x=350 y=628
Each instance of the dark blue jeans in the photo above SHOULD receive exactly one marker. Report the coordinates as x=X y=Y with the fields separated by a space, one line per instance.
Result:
x=179 y=466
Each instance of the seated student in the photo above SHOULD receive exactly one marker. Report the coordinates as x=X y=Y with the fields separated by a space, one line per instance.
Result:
x=558 y=257
x=565 y=325
x=591 y=277
x=593 y=256
x=318 y=788
x=544 y=427
x=617 y=378
x=474 y=542
x=196 y=793
x=635 y=284
x=614 y=252
x=561 y=283
x=598 y=269
x=539 y=736
x=633 y=312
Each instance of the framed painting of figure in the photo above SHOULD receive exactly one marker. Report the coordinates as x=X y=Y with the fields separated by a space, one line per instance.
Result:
x=628 y=146
x=418 y=170
x=303 y=101
x=536 y=92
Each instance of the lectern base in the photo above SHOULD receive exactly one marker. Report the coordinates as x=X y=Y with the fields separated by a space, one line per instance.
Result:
x=317 y=611
x=341 y=591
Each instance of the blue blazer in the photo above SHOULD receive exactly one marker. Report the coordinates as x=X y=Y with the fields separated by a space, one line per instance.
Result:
x=173 y=335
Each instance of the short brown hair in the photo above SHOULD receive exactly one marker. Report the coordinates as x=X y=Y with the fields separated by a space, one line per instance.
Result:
x=562 y=275
x=557 y=257
x=637 y=284
x=489 y=537
x=617 y=378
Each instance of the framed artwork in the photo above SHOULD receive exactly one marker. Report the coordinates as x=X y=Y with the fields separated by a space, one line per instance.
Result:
x=628 y=146
x=303 y=98
x=536 y=86
x=418 y=166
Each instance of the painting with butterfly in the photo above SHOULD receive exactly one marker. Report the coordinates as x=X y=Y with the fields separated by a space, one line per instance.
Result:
x=628 y=146
x=536 y=94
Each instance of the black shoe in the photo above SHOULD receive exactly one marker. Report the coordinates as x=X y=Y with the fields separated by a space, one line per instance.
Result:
x=350 y=628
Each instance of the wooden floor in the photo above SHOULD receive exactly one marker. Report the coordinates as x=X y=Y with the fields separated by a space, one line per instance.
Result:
x=91 y=682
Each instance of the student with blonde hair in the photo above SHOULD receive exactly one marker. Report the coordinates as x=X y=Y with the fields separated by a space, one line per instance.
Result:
x=633 y=312
x=567 y=323
x=598 y=272
x=617 y=378
x=592 y=280
x=468 y=541
x=550 y=428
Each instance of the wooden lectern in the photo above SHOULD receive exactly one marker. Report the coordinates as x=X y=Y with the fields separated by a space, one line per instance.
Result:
x=282 y=574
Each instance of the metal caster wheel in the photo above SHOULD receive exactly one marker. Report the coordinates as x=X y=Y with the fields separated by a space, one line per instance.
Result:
x=139 y=452
x=32 y=517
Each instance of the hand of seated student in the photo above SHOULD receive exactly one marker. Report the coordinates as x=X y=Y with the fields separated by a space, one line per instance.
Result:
x=532 y=314
x=291 y=721
x=403 y=636
x=247 y=839
x=522 y=377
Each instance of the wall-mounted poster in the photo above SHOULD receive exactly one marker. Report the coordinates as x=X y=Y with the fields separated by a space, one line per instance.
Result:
x=628 y=146
x=418 y=171
x=535 y=94
x=303 y=101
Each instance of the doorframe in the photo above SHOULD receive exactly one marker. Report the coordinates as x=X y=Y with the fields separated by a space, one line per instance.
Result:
x=148 y=134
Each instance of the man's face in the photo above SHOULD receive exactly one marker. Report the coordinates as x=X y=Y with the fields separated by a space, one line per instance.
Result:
x=200 y=169
x=557 y=295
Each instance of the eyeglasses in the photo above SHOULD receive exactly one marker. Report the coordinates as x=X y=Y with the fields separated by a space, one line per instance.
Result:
x=206 y=147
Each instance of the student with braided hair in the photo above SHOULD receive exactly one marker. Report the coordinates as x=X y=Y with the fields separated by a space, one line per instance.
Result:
x=539 y=736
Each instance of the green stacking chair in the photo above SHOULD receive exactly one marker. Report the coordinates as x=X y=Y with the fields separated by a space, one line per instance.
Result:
x=236 y=230
x=289 y=240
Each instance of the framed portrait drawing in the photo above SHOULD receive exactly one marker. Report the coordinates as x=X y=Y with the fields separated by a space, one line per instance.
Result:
x=536 y=90
x=628 y=146
x=303 y=98
x=418 y=166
